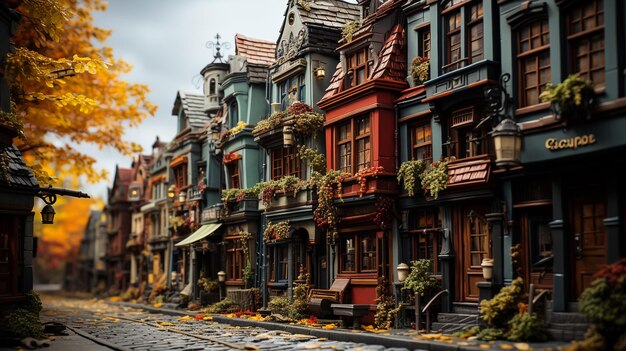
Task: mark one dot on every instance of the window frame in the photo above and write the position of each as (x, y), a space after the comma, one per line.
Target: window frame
(356, 63)
(234, 174)
(292, 89)
(284, 161)
(536, 53)
(463, 136)
(235, 262)
(588, 35)
(424, 40)
(416, 145)
(181, 178)
(358, 258)
(461, 12)
(354, 142)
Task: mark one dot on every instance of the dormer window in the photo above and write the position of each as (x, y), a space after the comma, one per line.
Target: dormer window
(291, 90)
(357, 68)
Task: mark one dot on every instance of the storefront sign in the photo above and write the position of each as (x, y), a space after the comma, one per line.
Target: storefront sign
(570, 143)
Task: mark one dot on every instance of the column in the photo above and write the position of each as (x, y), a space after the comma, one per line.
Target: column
(447, 259)
(559, 250)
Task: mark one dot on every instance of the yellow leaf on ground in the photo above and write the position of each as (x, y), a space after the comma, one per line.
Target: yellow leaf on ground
(506, 347)
(207, 318)
(522, 346)
(185, 318)
(330, 326)
(484, 346)
(158, 305)
(166, 324)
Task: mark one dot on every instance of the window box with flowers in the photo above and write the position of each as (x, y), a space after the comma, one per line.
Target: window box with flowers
(299, 115)
(276, 231)
(420, 70)
(571, 100)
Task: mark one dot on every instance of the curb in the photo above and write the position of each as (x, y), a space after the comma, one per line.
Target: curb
(345, 336)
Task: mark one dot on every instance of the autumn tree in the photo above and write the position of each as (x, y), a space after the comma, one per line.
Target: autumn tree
(66, 91)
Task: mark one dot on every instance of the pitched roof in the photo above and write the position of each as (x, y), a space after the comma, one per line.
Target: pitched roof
(391, 60)
(18, 173)
(125, 175)
(329, 13)
(391, 63)
(193, 107)
(257, 51)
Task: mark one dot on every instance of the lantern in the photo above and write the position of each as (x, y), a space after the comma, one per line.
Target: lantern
(403, 271)
(288, 136)
(487, 265)
(507, 139)
(47, 215)
(221, 276)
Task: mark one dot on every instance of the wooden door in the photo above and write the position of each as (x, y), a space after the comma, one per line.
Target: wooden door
(472, 244)
(587, 237)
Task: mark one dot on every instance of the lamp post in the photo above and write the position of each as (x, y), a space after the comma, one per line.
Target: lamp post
(221, 278)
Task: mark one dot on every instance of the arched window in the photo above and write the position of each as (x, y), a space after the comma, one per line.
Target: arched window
(212, 87)
(533, 61)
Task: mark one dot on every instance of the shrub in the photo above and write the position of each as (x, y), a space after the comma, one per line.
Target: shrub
(284, 307)
(21, 323)
(221, 306)
(489, 334)
(504, 306)
(526, 327)
(421, 278)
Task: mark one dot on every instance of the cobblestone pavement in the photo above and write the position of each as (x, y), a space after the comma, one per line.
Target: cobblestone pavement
(124, 328)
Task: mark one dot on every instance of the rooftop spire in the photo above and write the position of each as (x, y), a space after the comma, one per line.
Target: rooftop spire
(218, 46)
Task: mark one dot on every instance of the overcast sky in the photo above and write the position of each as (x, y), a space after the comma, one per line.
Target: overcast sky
(165, 41)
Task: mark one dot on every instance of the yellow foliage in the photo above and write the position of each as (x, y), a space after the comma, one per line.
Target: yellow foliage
(207, 318)
(92, 105)
(157, 305)
(330, 326)
(185, 318)
(166, 324)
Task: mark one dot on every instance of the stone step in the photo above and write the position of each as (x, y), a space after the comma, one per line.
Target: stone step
(458, 318)
(560, 334)
(465, 307)
(568, 317)
(449, 328)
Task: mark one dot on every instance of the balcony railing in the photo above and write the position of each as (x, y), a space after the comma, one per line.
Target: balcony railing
(194, 194)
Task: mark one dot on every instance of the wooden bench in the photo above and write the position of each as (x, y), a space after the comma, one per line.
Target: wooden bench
(353, 311)
(321, 299)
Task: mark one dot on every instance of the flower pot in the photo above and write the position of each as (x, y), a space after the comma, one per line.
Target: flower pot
(487, 265)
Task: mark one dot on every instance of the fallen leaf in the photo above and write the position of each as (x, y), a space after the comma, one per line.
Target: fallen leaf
(484, 346)
(312, 346)
(522, 346)
(207, 318)
(158, 305)
(166, 324)
(506, 347)
(330, 326)
(185, 318)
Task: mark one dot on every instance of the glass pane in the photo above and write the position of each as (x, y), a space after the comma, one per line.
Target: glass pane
(348, 252)
(368, 253)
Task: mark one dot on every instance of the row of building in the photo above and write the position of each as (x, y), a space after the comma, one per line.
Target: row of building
(450, 82)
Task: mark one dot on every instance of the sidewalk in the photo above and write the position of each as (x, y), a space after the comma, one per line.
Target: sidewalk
(70, 342)
(396, 338)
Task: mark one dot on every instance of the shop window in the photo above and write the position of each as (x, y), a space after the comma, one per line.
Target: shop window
(422, 241)
(358, 253)
(421, 142)
(585, 36)
(291, 90)
(285, 162)
(357, 67)
(234, 259)
(457, 53)
(353, 148)
(533, 61)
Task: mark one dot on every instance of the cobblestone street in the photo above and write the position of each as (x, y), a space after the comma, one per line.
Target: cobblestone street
(125, 328)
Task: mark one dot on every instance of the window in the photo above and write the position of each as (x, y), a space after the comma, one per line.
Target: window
(212, 89)
(424, 42)
(285, 162)
(9, 232)
(180, 176)
(421, 142)
(233, 174)
(479, 238)
(359, 142)
(457, 55)
(233, 114)
(358, 253)
(278, 258)
(585, 36)
(358, 67)
(234, 259)
(464, 140)
(421, 241)
(291, 90)
(533, 60)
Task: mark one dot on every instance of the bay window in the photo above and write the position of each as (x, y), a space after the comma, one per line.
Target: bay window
(354, 145)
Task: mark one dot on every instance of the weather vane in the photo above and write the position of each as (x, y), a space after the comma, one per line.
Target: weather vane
(217, 46)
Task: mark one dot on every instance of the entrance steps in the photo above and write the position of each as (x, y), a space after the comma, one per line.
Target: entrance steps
(465, 316)
(567, 326)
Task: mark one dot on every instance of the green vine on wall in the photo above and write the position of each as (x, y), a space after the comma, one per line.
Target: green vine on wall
(433, 177)
(248, 273)
(316, 159)
(409, 173)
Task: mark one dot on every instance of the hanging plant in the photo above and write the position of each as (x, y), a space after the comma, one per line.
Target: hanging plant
(287, 184)
(384, 212)
(306, 121)
(348, 30)
(277, 231)
(271, 122)
(420, 70)
(363, 174)
(435, 178)
(328, 185)
(573, 97)
(241, 125)
(316, 160)
(410, 172)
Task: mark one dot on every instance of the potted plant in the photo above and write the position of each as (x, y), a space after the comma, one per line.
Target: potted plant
(571, 99)
(420, 70)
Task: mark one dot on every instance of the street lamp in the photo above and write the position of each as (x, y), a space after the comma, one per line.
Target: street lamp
(171, 192)
(182, 196)
(507, 135)
(47, 214)
(403, 271)
(507, 139)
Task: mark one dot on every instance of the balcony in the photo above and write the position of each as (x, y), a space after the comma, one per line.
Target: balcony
(194, 194)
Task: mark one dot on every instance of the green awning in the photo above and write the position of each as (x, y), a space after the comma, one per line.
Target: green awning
(200, 234)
